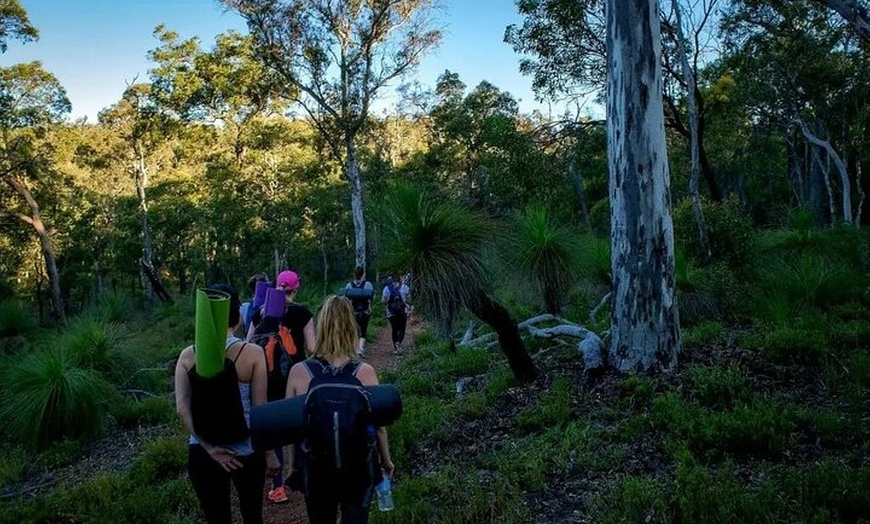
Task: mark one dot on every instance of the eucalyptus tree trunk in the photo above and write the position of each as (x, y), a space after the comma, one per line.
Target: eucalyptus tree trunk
(645, 328)
(846, 187)
(356, 201)
(35, 221)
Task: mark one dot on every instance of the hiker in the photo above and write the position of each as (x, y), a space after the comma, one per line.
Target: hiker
(299, 321)
(329, 482)
(397, 297)
(362, 304)
(213, 465)
(247, 309)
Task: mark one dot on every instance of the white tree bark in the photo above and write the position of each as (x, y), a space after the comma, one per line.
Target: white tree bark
(841, 167)
(645, 328)
(356, 202)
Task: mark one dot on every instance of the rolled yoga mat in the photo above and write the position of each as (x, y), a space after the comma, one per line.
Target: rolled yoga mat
(282, 422)
(260, 293)
(274, 303)
(210, 331)
(358, 292)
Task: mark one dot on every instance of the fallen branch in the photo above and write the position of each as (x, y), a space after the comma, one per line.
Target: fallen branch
(596, 309)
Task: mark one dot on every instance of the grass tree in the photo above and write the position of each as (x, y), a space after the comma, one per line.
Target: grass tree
(443, 244)
(542, 249)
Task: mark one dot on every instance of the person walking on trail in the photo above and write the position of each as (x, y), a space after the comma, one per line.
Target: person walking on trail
(335, 474)
(360, 292)
(397, 297)
(247, 309)
(214, 465)
(299, 320)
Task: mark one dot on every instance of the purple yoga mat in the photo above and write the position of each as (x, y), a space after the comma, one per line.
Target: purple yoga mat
(274, 303)
(260, 293)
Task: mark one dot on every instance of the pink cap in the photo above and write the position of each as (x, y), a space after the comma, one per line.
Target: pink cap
(289, 280)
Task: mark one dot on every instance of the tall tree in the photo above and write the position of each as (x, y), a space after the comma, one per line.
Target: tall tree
(340, 55)
(143, 129)
(31, 98)
(645, 328)
(14, 23)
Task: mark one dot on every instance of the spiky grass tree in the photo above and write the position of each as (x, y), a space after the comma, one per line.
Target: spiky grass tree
(543, 250)
(443, 244)
(45, 396)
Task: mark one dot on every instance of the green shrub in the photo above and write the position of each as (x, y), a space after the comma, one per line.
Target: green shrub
(634, 499)
(153, 410)
(15, 320)
(702, 334)
(93, 343)
(713, 292)
(114, 307)
(717, 387)
(160, 460)
(13, 464)
(859, 367)
(794, 345)
(730, 233)
(45, 397)
(636, 390)
(852, 334)
(553, 409)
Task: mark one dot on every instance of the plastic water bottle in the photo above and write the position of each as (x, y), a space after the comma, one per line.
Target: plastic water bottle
(384, 492)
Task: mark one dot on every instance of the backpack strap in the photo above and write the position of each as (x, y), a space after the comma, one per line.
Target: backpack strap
(240, 352)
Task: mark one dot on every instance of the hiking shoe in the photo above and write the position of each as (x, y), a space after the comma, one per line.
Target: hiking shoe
(278, 495)
(398, 347)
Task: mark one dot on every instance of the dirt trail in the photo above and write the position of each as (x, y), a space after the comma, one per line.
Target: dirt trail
(379, 353)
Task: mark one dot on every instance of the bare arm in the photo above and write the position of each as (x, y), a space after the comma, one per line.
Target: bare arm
(369, 377)
(308, 331)
(297, 384)
(223, 456)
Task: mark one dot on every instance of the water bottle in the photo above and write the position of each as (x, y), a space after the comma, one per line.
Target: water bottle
(384, 491)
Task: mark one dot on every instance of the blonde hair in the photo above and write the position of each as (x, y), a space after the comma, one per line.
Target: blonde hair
(336, 332)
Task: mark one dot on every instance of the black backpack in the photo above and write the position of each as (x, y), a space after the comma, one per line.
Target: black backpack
(281, 353)
(339, 435)
(395, 303)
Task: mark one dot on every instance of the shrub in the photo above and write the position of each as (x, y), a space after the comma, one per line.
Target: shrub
(15, 320)
(114, 307)
(703, 334)
(155, 410)
(13, 464)
(634, 499)
(717, 387)
(787, 344)
(730, 233)
(852, 334)
(636, 390)
(160, 460)
(93, 343)
(44, 397)
(553, 409)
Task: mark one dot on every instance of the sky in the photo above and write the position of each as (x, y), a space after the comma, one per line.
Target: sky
(96, 47)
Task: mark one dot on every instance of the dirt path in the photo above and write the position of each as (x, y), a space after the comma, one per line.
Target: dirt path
(379, 353)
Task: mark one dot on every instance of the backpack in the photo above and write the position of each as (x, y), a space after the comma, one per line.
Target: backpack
(281, 353)
(216, 405)
(360, 303)
(395, 304)
(339, 436)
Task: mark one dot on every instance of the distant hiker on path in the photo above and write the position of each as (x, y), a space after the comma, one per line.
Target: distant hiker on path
(397, 297)
(227, 455)
(338, 472)
(360, 292)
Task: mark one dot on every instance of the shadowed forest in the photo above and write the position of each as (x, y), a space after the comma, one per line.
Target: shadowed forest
(660, 315)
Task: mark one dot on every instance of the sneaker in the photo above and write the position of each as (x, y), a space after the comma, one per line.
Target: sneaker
(398, 347)
(278, 495)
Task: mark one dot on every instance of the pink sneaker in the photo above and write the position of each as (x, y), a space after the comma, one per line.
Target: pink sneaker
(277, 495)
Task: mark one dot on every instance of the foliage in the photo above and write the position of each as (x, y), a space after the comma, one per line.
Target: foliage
(46, 396)
(552, 411)
(718, 387)
(702, 334)
(95, 344)
(15, 320)
(13, 464)
(729, 231)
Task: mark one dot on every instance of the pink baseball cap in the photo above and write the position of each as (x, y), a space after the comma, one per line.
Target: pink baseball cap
(288, 280)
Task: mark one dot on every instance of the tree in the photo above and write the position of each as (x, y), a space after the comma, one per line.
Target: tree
(443, 243)
(143, 129)
(564, 44)
(226, 86)
(340, 55)
(645, 329)
(14, 23)
(31, 98)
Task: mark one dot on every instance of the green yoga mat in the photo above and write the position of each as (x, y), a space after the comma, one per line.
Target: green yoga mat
(212, 317)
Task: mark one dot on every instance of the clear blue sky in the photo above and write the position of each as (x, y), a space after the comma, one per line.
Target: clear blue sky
(95, 46)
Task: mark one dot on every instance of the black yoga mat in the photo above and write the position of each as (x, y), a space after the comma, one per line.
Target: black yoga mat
(282, 422)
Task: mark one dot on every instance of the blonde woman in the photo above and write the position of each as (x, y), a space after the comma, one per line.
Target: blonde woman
(335, 361)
